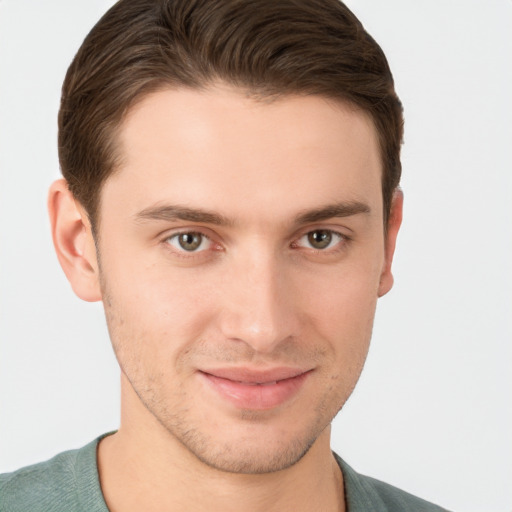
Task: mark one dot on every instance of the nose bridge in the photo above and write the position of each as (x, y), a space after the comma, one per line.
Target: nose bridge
(260, 310)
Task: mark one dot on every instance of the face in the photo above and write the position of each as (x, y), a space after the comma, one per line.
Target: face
(242, 251)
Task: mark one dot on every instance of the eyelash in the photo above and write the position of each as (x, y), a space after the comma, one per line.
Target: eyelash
(181, 252)
(328, 249)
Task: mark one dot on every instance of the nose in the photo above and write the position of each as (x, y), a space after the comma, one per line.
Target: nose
(259, 304)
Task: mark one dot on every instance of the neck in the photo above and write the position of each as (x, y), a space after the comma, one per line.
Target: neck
(143, 467)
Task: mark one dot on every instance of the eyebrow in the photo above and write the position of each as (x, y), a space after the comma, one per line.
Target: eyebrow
(343, 209)
(184, 213)
(178, 212)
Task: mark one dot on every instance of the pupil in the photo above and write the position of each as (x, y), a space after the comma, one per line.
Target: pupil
(320, 239)
(190, 241)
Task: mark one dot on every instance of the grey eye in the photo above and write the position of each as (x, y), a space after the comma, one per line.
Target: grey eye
(320, 239)
(190, 241)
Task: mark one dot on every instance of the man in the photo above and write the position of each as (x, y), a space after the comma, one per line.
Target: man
(230, 193)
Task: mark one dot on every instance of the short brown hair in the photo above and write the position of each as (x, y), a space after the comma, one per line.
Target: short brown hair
(268, 47)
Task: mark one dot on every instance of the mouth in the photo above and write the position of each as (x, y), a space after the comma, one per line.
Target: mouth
(251, 389)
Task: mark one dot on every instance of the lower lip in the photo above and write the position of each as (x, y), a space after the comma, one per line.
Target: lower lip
(259, 396)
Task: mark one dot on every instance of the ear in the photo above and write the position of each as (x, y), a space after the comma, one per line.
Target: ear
(73, 242)
(394, 222)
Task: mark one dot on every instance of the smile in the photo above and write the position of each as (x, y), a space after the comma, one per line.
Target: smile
(255, 390)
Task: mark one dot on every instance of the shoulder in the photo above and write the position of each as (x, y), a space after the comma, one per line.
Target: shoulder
(364, 493)
(56, 485)
(397, 499)
(39, 486)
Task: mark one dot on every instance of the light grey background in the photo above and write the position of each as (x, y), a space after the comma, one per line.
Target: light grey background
(433, 410)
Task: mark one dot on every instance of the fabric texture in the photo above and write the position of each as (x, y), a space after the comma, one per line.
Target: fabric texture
(70, 483)
(366, 494)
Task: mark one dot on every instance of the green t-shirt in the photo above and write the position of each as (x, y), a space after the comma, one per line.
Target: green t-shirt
(70, 483)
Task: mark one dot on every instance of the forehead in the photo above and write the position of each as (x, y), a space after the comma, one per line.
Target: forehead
(222, 149)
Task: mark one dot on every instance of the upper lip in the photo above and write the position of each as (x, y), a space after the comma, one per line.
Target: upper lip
(254, 375)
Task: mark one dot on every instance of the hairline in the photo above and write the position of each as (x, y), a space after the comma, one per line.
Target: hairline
(257, 95)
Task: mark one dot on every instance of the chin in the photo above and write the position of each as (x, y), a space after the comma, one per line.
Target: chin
(242, 458)
(250, 447)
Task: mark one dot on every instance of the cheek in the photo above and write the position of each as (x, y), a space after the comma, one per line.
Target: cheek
(154, 315)
(156, 294)
(343, 313)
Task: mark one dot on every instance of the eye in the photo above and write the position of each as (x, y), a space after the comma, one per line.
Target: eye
(189, 241)
(320, 239)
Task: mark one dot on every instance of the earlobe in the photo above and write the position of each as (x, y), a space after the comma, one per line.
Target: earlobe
(73, 242)
(394, 222)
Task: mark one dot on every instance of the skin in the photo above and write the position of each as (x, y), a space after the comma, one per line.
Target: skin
(257, 293)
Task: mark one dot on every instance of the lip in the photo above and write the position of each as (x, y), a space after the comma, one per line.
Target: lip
(254, 389)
